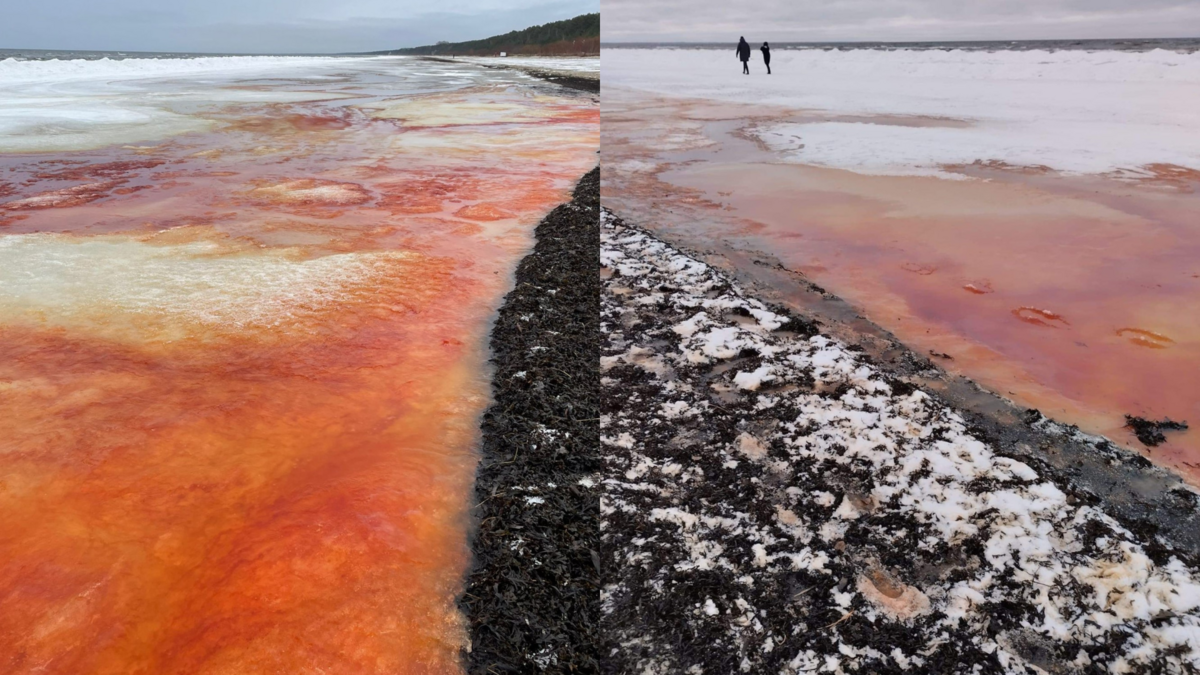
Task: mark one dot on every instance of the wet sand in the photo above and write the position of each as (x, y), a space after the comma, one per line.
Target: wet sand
(1079, 296)
(242, 372)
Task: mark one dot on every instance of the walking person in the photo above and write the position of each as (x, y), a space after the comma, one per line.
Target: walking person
(743, 52)
(766, 50)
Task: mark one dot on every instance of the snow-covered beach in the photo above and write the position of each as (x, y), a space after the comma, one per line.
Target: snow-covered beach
(579, 65)
(775, 501)
(577, 72)
(1024, 217)
(1074, 111)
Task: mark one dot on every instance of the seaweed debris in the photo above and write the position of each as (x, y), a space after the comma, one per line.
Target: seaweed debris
(1150, 432)
(532, 598)
(777, 503)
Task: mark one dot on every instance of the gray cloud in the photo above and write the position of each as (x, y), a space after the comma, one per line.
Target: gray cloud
(851, 20)
(268, 26)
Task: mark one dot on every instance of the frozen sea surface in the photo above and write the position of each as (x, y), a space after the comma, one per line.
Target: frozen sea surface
(76, 104)
(1071, 111)
(565, 64)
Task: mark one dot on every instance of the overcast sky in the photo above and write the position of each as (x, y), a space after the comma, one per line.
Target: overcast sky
(268, 26)
(895, 20)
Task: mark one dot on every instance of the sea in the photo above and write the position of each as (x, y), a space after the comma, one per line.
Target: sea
(262, 288)
(1183, 45)
(85, 55)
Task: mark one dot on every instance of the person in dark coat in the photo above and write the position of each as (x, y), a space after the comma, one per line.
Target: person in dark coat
(766, 50)
(743, 52)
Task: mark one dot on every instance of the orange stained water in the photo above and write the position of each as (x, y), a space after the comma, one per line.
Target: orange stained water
(240, 379)
(1076, 295)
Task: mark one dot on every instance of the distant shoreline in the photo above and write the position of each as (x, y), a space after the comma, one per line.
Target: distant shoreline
(1115, 44)
(580, 80)
(85, 55)
(121, 55)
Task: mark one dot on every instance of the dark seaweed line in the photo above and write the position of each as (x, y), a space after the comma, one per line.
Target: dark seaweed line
(532, 598)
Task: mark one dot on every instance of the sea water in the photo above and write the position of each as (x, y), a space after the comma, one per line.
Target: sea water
(243, 313)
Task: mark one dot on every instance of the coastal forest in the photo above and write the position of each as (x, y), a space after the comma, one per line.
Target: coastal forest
(573, 37)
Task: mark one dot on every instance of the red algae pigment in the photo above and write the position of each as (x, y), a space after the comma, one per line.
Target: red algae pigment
(242, 361)
(1075, 294)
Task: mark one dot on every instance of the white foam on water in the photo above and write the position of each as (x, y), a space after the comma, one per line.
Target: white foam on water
(123, 287)
(1073, 111)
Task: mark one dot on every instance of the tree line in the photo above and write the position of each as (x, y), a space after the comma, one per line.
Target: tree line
(580, 35)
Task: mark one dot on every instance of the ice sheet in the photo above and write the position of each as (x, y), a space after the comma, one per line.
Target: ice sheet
(421, 112)
(56, 106)
(1082, 112)
(888, 149)
(13, 71)
(123, 286)
(575, 64)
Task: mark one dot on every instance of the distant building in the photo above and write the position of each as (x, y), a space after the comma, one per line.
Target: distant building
(503, 53)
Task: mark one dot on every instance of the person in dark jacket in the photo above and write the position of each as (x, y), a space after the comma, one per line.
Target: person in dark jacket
(743, 52)
(766, 50)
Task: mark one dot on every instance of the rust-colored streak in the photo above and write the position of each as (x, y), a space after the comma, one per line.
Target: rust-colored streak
(484, 212)
(109, 170)
(65, 197)
(306, 192)
(240, 378)
(1145, 338)
(1039, 317)
(1173, 175)
(238, 505)
(916, 268)
(297, 122)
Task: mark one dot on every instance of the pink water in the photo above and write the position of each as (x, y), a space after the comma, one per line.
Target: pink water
(1079, 296)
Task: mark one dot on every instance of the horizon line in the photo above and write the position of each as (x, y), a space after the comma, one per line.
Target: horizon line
(930, 41)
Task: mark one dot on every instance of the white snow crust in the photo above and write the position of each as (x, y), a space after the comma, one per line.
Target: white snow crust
(561, 64)
(1070, 111)
(837, 473)
(64, 105)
